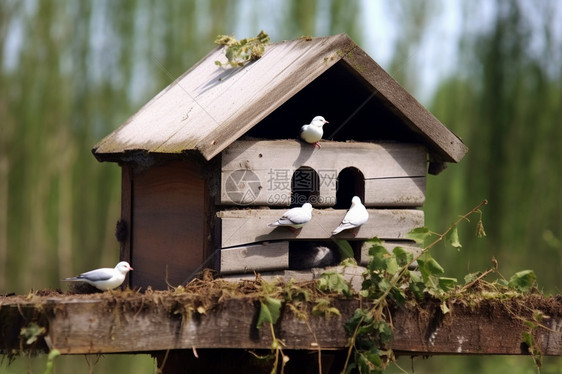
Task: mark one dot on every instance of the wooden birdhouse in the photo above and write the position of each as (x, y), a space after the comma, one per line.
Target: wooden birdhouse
(215, 157)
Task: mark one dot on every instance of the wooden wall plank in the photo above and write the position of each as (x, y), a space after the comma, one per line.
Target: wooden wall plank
(251, 225)
(169, 224)
(260, 172)
(258, 257)
(395, 192)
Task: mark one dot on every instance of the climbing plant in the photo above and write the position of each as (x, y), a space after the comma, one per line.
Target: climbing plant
(398, 277)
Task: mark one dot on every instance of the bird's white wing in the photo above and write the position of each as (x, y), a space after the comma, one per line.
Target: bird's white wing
(97, 275)
(354, 218)
(296, 216)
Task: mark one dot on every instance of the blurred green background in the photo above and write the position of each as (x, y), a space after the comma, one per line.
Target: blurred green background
(72, 71)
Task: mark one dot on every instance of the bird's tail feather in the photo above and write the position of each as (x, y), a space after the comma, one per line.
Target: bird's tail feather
(337, 230)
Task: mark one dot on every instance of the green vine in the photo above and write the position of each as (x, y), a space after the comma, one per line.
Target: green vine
(389, 278)
(394, 278)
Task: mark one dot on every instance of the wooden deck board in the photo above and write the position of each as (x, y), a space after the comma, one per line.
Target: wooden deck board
(120, 323)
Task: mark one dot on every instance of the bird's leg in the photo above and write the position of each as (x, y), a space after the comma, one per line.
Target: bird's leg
(316, 145)
(294, 230)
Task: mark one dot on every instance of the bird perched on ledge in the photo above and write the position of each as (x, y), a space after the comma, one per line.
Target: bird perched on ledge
(105, 278)
(295, 218)
(312, 133)
(356, 216)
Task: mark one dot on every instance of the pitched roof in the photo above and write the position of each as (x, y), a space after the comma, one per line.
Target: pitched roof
(209, 107)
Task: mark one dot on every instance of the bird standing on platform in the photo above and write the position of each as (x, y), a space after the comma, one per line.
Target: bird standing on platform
(312, 133)
(295, 218)
(356, 216)
(105, 278)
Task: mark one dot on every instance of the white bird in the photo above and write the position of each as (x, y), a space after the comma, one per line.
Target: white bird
(104, 278)
(312, 133)
(295, 218)
(356, 216)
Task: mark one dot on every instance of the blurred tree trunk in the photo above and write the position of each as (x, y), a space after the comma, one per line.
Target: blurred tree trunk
(505, 104)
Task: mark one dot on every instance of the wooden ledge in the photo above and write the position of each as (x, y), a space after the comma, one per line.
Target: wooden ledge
(121, 322)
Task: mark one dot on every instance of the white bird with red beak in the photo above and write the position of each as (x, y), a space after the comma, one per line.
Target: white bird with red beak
(105, 278)
(312, 133)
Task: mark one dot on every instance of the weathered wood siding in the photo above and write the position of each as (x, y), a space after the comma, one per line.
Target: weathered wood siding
(169, 232)
(247, 226)
(140, 323)
(256, 257)
(260, 172)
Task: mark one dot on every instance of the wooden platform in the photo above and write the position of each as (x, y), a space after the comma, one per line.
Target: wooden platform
(121, 322)
(240, 227)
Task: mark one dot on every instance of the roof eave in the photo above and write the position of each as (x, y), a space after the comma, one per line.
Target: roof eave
(443, 144)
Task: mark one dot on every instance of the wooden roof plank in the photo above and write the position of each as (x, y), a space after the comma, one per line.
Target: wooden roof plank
(444, 142)
(292, 70)
(209, 107)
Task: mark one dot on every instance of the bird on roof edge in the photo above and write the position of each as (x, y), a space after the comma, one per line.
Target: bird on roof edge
(312, 133)
(104, 278)
(356, 216)
(295, 218)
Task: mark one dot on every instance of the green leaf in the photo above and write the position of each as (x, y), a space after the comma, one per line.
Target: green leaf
(385, 332)
(503, 282)
(349, 262)
(429, 268)
(447, 284)
(270, 310)
(471, 277)
(32, 332)
(391, 265)
(398, 296)
(359, 316)
(378, 254)
(323, 308)
(523, 280)
(419, 234)
(384, 284)
(403, 257)
(417, 289)
(374, 241)
(433, 267)
(345, 249)
(453, 238)
(239, 52)
(332, 281)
